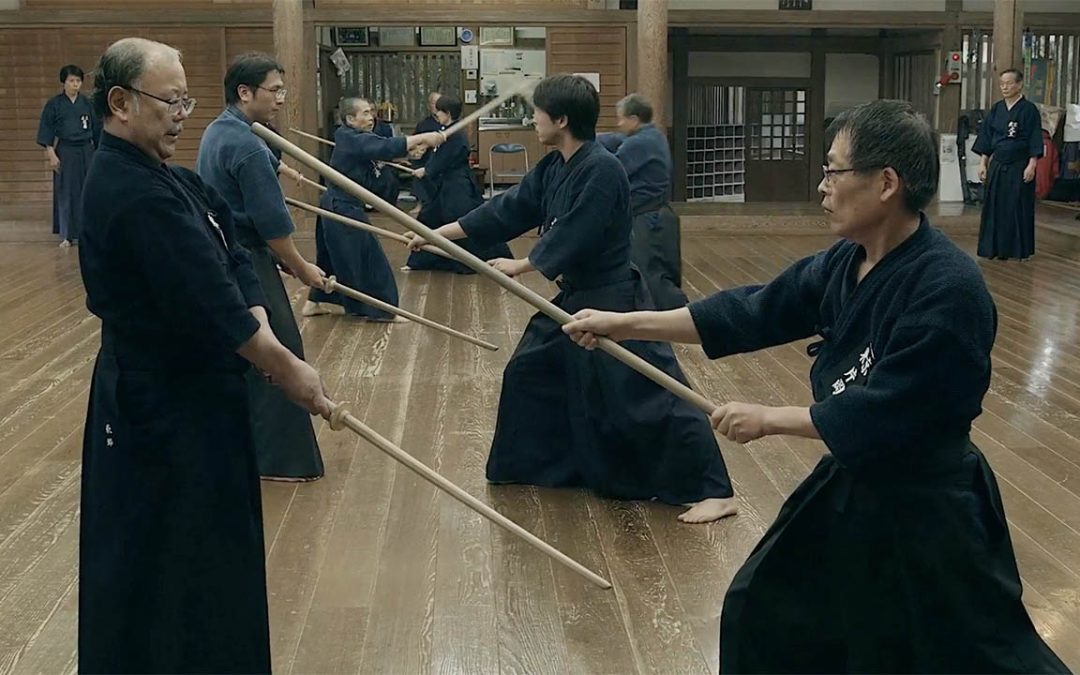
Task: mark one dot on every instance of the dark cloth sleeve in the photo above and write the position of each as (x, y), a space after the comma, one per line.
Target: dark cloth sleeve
(1033, 122)
(927, 380)
(509, 214)
(453, 153)
(377, 147)
(246, 279)
(47, 125)
(183, 273)
(984, 141)
(264, 201)
(580, 230)
(749, 318)
(610, 141)
(95, 127)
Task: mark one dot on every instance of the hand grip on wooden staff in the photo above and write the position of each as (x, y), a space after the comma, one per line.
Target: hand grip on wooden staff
(360, 225)
(341, 418)
(471, 261)
(332, 286)
(313, 137)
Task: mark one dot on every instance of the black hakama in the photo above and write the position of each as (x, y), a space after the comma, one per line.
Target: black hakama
(171, 558)
(240, 166)
(452, 193)
(655, 246)
(571, 418)
(355, 257)
(894, 554)
(1011, 138)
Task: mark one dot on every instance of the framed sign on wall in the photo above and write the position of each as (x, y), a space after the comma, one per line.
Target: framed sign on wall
(796, 4)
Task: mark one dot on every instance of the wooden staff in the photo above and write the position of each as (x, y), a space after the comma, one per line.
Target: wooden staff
(341, 418)
(522, 88)
(360, 225)
(332, 286)
(320, 188)
(311, 136)
(468, 259)
(400, 167)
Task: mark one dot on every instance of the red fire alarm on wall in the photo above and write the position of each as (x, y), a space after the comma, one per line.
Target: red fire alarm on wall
(954, 67)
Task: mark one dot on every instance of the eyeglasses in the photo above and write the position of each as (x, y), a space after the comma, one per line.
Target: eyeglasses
(279, 94)
(830, 174)
(176, 105)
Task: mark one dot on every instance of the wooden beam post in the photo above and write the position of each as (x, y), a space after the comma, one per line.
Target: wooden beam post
(680, 86)
(948, 103)
(652, 56)
(1008, 33)
(815, 112)
(289, 49)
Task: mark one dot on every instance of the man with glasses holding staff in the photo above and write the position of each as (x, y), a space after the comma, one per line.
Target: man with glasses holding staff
(240, 166)
(171, 554)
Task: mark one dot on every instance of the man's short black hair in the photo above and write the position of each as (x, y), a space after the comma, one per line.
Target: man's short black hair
(892, 134)
(248, 69)
(449, 104)
(69, 70)
(572, 97)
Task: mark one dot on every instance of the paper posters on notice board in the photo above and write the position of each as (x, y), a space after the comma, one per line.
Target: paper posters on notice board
(470, 57)
(592, 77)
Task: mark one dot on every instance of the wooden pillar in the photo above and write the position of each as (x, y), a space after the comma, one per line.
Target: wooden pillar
(652, 56)
(289, 50)
(1008, 33)
(815, 112)
(680, 114)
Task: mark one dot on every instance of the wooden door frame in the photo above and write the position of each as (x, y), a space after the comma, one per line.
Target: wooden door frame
(814, 119)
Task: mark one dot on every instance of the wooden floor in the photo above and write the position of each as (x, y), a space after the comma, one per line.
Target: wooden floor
(371, 570)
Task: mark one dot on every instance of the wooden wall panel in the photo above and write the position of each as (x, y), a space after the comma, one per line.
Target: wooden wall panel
(592, 49)
(243, 40)
(32, 60)
(143, 4)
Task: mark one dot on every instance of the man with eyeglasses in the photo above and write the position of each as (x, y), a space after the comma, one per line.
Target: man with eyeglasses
(171, 556)
(240, 166)
(894, 554)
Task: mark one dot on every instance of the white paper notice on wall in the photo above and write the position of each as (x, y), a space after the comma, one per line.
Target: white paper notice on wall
(592, 77)
(470, 57)
(470, 96)
(1072, 123)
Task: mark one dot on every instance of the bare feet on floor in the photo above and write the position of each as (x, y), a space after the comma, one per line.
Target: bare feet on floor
(708, 510)
(318, 308)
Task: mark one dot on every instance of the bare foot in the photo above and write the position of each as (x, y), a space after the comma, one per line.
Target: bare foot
(708, 510)
(65, 244)
(406, 268)
(319, 308)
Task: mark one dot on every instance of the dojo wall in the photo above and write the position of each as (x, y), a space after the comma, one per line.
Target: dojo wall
(31, 59)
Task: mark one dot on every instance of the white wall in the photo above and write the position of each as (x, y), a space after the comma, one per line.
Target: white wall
(1029, 5)
(749, 64)
(850, 79)
(866, 5)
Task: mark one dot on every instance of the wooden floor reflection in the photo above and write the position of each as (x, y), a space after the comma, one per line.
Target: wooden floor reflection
(370, 570)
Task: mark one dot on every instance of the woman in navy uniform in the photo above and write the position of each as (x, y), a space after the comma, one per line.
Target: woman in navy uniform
(893, 555)
(68, 131)
(355, 257)
(171, 556)
(568, 418)
(1010, 142)
(452, 193)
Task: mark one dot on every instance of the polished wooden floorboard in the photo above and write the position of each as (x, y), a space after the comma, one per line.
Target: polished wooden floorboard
(371, 570)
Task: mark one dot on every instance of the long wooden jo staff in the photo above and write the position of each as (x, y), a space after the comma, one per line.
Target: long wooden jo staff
(400, 167)
(360, 225)
(331, 285)
(341, 418)
(528, 295)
